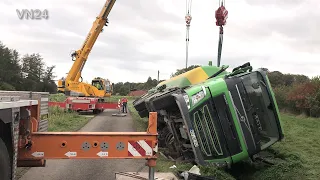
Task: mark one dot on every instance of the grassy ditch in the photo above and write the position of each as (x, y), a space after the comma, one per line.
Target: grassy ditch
(297, 157)
(61, 121)
(141, 124)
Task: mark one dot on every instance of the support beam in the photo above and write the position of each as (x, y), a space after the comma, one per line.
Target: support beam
(93, 145)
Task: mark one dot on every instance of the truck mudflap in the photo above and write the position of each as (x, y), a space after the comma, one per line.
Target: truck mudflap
(191, 134)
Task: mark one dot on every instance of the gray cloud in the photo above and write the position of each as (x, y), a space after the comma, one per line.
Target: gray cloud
(129, 13)
(302, 30)
(118, 48)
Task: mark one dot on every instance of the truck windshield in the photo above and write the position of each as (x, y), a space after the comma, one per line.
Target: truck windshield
(108, 88)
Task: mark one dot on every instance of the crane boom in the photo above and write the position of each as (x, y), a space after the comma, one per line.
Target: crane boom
(82, 54)
(99, 87)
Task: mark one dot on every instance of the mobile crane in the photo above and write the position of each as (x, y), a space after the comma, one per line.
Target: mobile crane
(83, 96)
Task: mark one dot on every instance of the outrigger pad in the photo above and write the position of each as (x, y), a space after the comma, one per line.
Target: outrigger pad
(119, 114)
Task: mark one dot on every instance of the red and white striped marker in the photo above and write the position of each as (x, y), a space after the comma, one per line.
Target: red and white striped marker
(140, 148)
(119, 105)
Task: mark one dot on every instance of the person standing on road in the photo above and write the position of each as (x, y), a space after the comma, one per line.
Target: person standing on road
(124, 105)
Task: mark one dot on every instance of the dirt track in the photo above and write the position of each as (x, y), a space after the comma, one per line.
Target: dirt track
(103, 169)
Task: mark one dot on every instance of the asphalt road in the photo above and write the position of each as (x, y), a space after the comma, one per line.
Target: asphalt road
(98, 169)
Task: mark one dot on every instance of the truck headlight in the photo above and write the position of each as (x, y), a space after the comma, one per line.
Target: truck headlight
(198, 97)
(186, 99)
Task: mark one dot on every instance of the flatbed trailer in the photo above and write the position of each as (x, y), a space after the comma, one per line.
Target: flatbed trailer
(22, 144)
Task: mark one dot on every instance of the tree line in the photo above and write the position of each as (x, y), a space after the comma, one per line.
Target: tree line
(124, 88)
(24, 73)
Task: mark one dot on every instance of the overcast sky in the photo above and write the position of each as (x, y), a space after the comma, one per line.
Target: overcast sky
(145, 36)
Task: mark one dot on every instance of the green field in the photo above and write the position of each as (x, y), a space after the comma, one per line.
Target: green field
(296, 157)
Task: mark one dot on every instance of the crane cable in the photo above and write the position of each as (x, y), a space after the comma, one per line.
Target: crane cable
(221, 17)
(188, 19)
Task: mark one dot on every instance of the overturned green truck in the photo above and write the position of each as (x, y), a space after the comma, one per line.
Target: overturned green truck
(211, 116)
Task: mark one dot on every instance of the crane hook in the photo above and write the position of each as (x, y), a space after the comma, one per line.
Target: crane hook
(221, 14)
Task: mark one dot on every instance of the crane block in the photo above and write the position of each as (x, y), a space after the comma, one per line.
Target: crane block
(221, 15)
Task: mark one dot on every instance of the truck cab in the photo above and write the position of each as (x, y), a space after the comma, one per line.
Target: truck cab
(103, 84)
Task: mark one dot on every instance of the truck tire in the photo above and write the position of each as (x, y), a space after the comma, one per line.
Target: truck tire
(5, 165)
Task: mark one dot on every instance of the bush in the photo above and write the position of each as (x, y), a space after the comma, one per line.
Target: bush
(300, 97)
(281, 96)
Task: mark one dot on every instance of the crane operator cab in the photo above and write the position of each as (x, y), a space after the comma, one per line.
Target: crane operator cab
(103, 84)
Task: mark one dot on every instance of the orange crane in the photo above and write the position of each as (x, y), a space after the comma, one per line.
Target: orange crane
(83, 96)
(72, 84)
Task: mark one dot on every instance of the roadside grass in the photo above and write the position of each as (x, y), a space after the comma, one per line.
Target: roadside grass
(61, 121)
(300, 149)
(141, 124)
(297, 157)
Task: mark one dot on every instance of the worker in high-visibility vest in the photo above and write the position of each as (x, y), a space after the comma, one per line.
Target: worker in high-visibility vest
(124, 104)
(98, 86)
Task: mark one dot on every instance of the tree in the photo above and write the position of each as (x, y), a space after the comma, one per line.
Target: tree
(276, 79)
(265, 69)
(48, 83)
(183, 70)
(150, 83)
(33, 70)
(27, 73)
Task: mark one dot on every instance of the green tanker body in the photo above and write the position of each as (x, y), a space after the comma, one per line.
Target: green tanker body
(208, 115)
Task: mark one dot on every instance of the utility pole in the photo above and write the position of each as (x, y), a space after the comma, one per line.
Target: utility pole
(158, 75)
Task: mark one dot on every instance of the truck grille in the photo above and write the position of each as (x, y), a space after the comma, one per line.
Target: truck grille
(206, 132)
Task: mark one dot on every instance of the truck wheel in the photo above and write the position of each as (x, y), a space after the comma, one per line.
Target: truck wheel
(5, 165)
